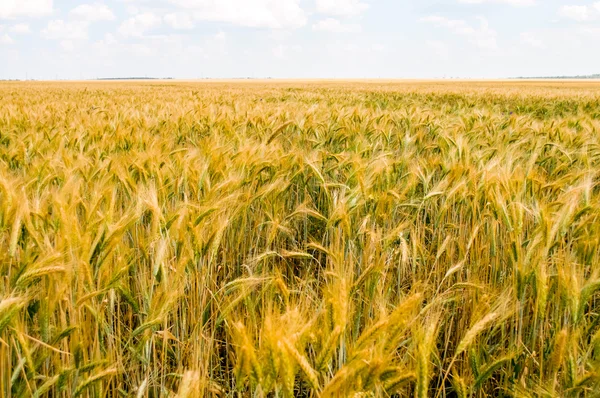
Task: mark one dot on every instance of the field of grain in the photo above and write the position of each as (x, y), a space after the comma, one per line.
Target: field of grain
(287, 238)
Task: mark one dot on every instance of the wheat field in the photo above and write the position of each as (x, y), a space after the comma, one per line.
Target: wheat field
(300, 238)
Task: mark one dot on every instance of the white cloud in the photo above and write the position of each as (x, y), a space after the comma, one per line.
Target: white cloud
(144, 50)
(20, 28)
(458, 26)
(92, 12)
(341, 7)
(274, 14)
(532, 40)
(439, 48)
(483, 37)
(132, 10)
(220, 36)
(379, 48)
(279, 34)
(179, 21)
(6, 39)
(140, 24)
(578, 13)
(24, 8)
(159, 47)
(211, 47)
(69, 30)
(581, 13)
(334, 25)
(515, 3)
(75, 29)
(108, 40)
(67, 45)
(590, 32)
(281, 51)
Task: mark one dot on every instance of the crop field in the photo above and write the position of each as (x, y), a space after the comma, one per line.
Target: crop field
(300, 238)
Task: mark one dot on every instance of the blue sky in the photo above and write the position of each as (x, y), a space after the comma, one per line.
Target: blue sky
(65, 39)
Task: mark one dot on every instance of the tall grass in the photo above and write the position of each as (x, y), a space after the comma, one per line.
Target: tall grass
(300, 239)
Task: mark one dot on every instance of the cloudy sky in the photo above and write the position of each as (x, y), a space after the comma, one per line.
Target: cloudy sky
(68, 39)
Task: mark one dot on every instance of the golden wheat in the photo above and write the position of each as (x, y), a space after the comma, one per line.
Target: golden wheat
(287, 238)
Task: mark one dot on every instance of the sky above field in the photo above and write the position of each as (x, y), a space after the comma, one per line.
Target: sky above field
(67, 39)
